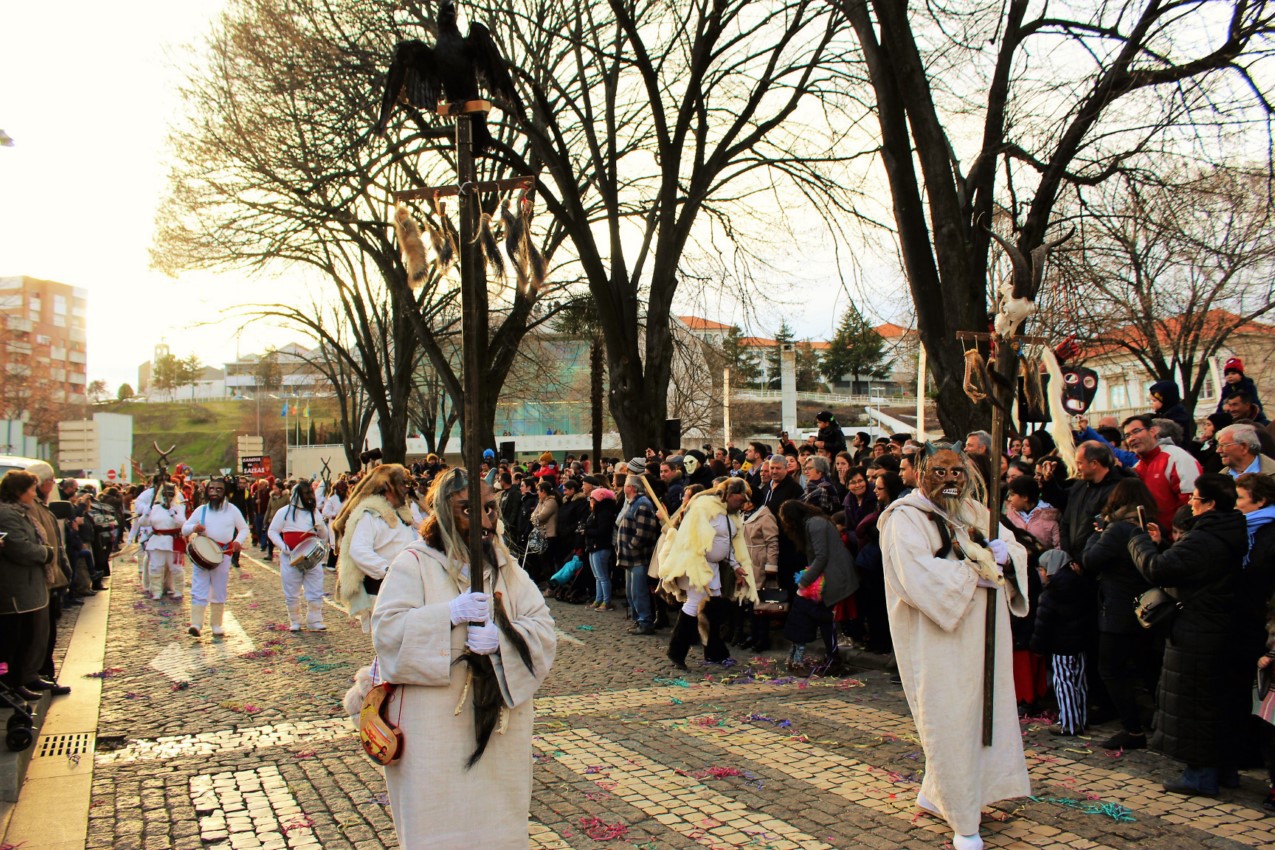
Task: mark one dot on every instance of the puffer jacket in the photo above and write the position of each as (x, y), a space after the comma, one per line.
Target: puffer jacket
(1198, 684)
(1064, 618)
(599, 525)
(1107, 559)
(23, 583)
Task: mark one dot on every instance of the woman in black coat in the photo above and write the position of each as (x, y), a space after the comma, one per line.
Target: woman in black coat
(599, 534)
(1124, 647)
(827, 556)
(1198, 685)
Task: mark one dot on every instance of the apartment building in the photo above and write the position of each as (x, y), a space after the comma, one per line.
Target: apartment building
(44, 351)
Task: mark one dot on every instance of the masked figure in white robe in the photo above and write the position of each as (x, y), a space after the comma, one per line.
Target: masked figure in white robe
(937, 582)
(426, 620)
(373, 527)
(292, 527)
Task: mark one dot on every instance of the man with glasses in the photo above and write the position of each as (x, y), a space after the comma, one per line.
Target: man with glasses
(1241, 452)
(1169, 477)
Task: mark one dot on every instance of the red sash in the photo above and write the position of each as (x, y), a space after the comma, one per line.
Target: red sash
(292, 539)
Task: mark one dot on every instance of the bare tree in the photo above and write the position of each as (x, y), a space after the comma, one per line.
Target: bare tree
(276, 168)
(1067, 95)
(1168, 273)
(667, 131)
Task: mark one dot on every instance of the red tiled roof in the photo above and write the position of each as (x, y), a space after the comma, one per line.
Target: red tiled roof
(697, 323)
(763, 342)
(1168, 329)
(890, 330)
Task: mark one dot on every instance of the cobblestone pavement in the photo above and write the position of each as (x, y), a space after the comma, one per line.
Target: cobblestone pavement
(242, 743)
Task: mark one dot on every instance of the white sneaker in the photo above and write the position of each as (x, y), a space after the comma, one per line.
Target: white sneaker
(294, 627)
(967, 842)
(218, 631)
(155, 597)
(317, 627)
(926, 803)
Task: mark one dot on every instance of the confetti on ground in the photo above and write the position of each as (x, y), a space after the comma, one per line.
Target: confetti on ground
(1115, 811)
(782, 724)
(108, 673)
(180, 686)
(600, 830)
(585, 629)
(298, 822)
(240, 707)
(678, 683)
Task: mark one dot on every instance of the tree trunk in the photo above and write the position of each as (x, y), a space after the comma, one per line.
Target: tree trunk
(639, 402)
(595, 398)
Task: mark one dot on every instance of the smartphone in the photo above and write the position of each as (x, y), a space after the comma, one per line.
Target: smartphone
(1142, 520)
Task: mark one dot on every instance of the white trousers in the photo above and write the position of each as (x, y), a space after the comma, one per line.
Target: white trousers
(161, 560)
(295, 580)
(209, 585)
(695, 597)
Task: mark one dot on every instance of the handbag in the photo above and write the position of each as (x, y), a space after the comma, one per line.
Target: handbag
(771, 600)
(537, 543)
(1155, 607)
(381, 739)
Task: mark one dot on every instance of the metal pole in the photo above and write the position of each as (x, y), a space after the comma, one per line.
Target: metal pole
(726, 406)
(921, 368)
(473, 340)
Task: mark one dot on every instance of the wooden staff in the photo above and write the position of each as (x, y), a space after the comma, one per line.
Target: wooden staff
(473, 294)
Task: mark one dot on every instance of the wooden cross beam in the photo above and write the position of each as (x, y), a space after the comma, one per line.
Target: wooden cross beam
(505, 184)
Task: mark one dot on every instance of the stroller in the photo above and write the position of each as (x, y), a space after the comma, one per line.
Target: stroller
(20, 727)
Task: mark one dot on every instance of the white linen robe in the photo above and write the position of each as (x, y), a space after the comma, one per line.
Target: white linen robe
(437, 803)
(937, 615)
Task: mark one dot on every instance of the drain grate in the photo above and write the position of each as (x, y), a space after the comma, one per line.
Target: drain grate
(65, 746)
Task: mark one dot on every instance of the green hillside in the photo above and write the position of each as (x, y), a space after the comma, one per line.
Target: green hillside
(205, 432)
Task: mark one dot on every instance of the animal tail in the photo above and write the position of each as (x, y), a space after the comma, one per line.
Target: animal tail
(485, 693)
(511, 634)
(412, 245)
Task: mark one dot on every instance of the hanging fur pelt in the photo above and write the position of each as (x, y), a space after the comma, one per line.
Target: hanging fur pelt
(412, 246)
(490, 713)
(486, 239)
(513, 226)
(535, 261)
(1033, 388)
(975, 371)
(1060, 424)
(443, 237)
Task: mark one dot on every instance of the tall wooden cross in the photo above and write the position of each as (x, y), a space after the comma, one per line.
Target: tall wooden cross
(1015, 302)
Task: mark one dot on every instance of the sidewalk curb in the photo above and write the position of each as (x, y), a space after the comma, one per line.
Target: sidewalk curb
(59, 777)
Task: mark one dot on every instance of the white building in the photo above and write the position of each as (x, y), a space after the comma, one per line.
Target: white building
(97, 447)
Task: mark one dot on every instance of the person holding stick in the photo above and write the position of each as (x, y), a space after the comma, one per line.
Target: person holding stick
(938, 569)
(464, 779)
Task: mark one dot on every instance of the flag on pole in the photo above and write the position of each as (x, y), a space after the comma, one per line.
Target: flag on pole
(307, 410)
(285, 409)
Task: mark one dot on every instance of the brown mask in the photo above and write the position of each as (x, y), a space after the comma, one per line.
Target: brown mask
(945, 479)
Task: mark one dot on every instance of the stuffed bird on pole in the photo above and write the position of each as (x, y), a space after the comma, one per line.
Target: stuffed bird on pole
(450, 70)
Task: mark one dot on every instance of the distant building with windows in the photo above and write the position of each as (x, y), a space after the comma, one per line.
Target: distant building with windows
(45, 340)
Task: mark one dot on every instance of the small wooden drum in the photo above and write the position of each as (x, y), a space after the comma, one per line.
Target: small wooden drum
(205, 552)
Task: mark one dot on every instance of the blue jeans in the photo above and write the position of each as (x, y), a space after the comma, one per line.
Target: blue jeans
(639, 595)
(600, 563)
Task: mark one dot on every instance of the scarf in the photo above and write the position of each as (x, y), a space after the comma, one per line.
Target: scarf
(1256, 520)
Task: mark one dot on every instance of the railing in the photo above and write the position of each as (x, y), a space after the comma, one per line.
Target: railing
(830, 398)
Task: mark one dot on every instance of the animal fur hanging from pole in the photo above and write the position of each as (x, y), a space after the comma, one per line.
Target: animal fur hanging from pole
(528, 262)
(412, 245)
(482, 686)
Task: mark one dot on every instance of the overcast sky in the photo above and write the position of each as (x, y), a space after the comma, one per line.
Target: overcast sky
(86, 91)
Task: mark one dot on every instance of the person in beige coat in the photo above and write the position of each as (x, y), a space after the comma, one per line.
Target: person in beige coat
(426, 618)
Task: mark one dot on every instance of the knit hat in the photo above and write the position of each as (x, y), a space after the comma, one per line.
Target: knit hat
(488, 454)
(1234, 364)
(1054, 560)
(637, 466)
(547, 457)
(1220, 420)
(824, 416)
(599, 494)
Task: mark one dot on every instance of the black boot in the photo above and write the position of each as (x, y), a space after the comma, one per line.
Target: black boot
(717, 612)
(685, 633)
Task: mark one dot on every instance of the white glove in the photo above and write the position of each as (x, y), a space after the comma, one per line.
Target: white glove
(484, 639)
(1000, 551)
(469, 607)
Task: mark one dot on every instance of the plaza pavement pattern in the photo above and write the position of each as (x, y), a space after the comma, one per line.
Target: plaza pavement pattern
(242, 743)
